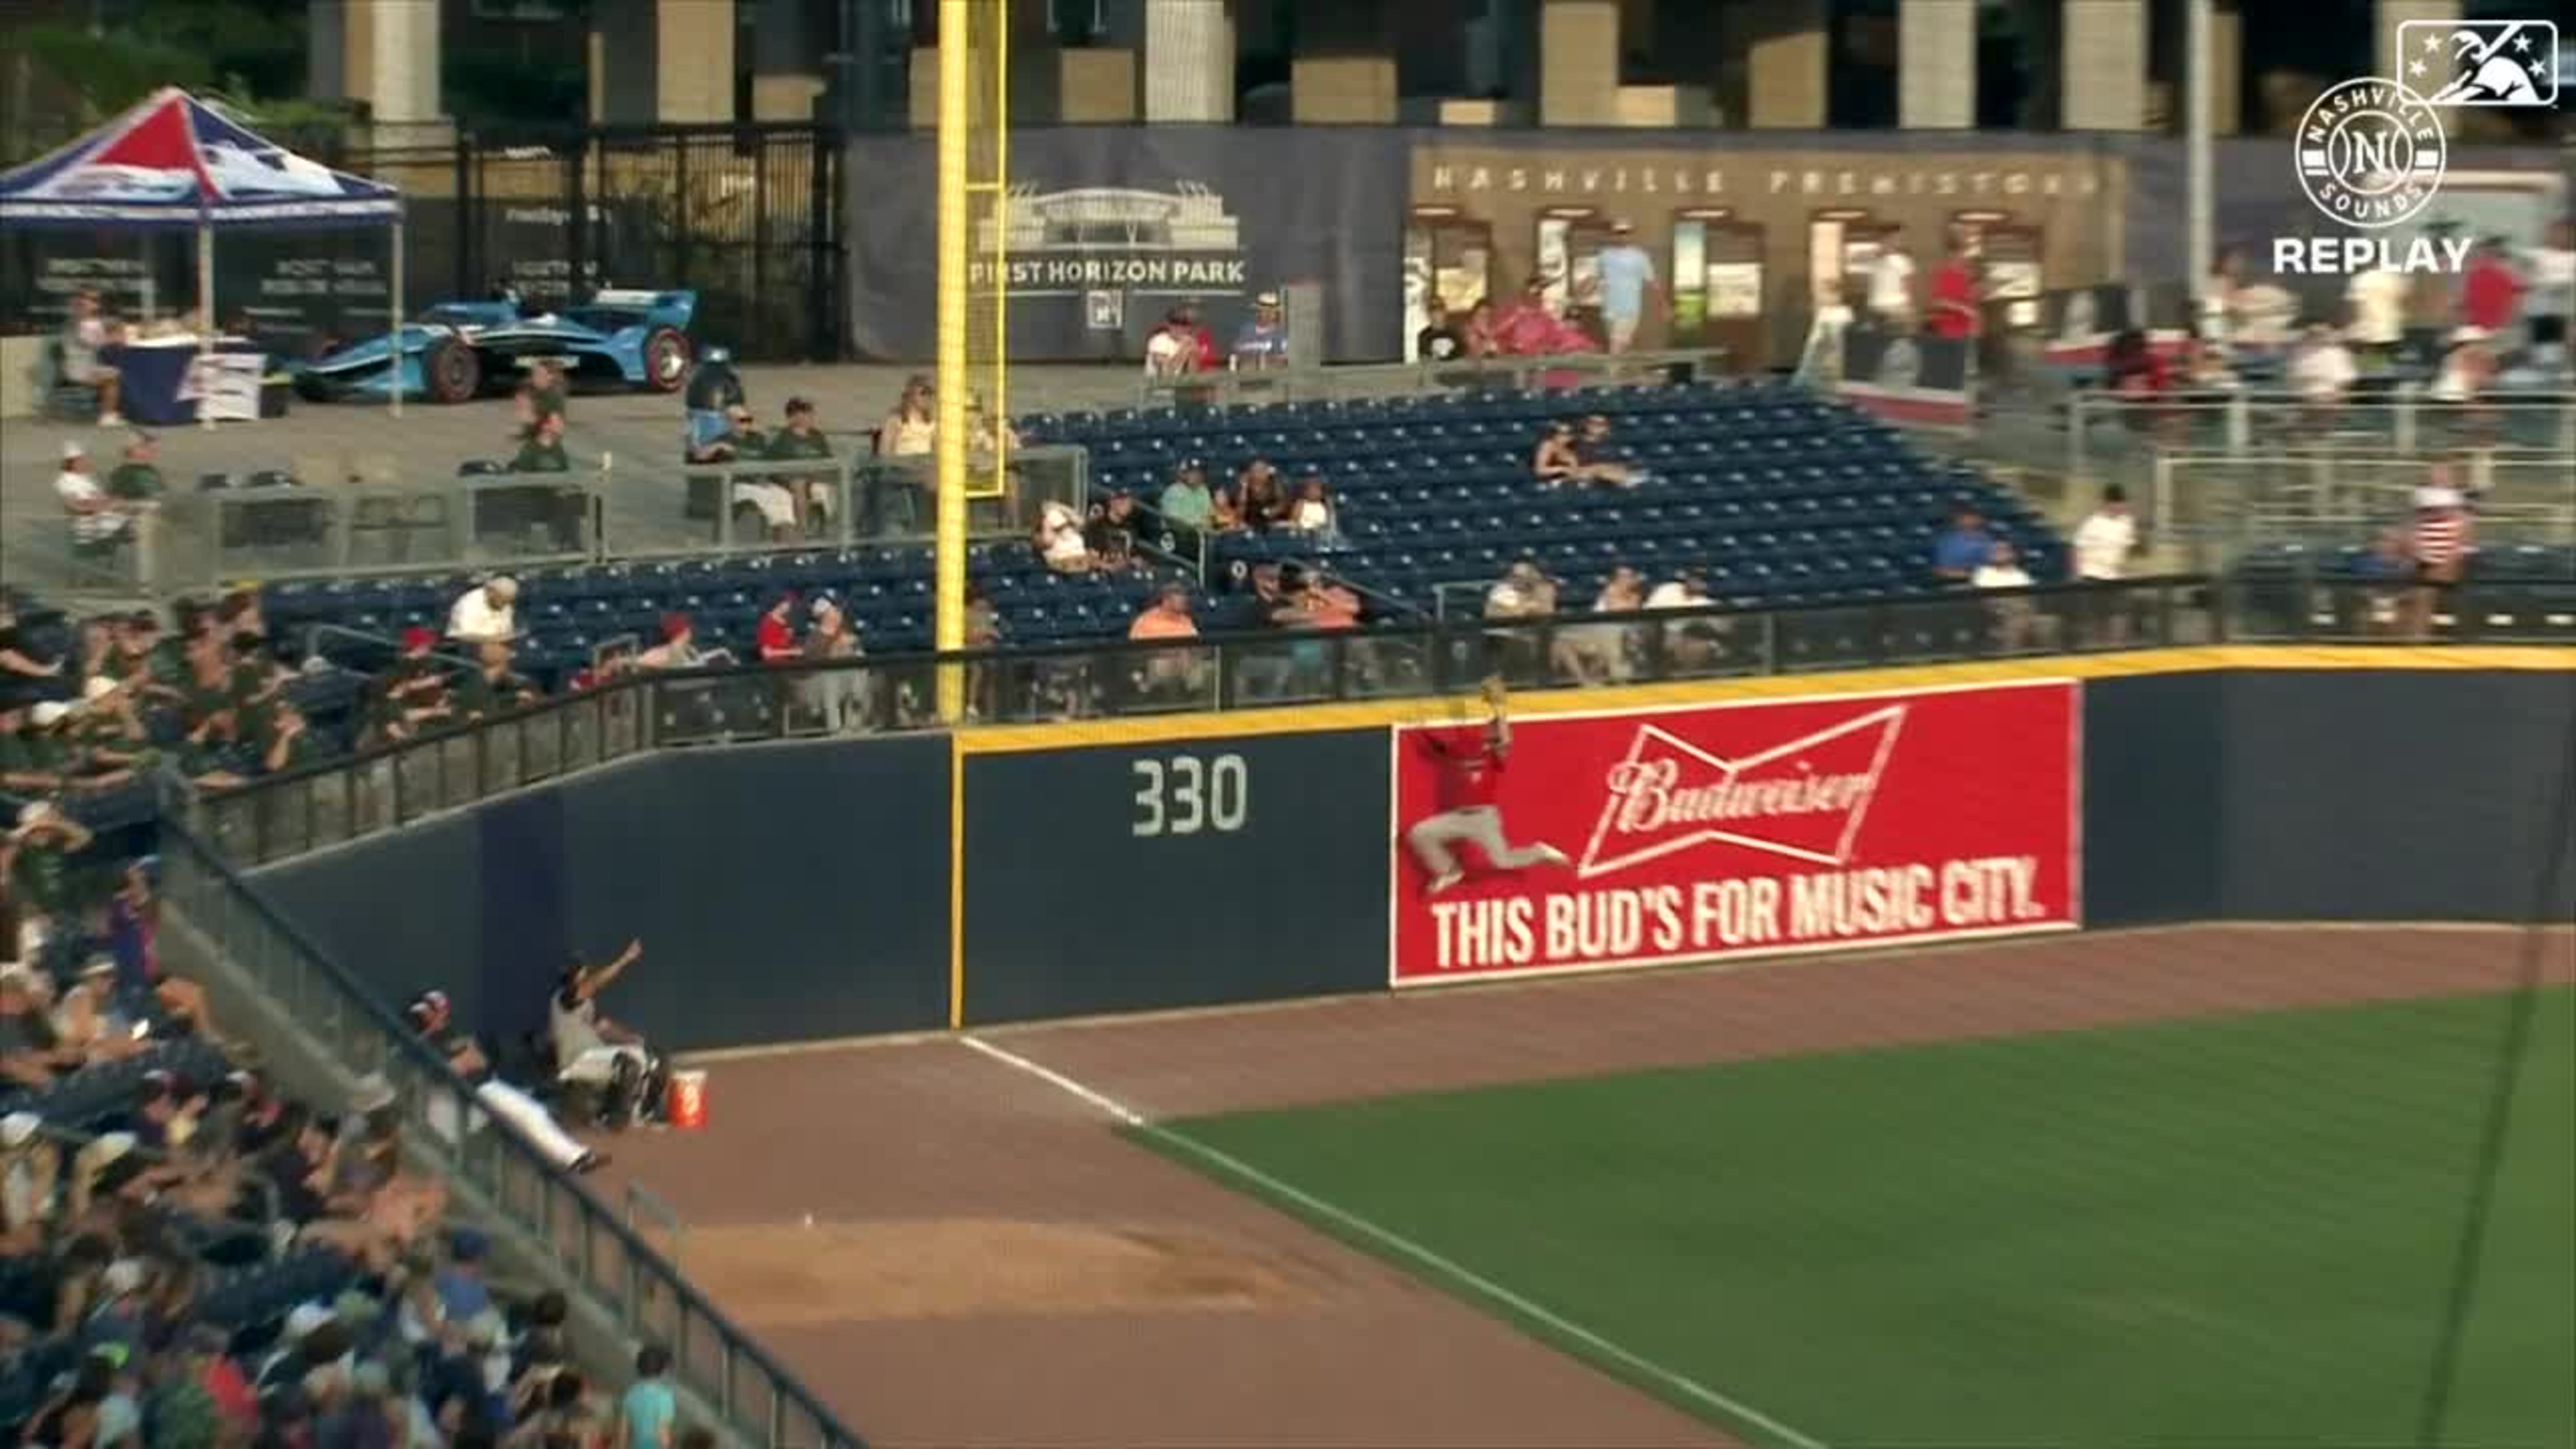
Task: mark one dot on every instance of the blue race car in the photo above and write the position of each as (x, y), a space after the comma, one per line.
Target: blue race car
(458, 350)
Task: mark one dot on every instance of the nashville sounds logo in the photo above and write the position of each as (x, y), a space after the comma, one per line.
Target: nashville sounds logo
(1803, 799)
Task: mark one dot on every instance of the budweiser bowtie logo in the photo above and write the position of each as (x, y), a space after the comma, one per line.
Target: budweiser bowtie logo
(1803, 798)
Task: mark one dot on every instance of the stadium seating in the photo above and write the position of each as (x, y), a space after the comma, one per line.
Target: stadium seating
(1778, 495)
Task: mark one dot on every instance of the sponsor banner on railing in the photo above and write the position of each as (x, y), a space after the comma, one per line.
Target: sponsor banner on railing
(1632, 839)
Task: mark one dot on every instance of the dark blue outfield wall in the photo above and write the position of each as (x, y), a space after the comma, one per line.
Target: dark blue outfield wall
(782, 892)
(2287, 795)
(801, 892)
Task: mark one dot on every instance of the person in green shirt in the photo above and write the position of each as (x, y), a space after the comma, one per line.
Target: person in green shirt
(543, 450)
(253, 688)
(24, 767)
(290, 740)
(1187, 503)
(138, 476)
(750, 444)
(802, 438)
(493, 688)
(541, 397)
(40, 858)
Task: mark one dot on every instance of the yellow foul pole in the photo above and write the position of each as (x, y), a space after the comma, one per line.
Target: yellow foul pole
(956, 245)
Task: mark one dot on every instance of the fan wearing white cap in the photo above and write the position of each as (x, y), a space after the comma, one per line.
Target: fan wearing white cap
(28, 1166)
(1262, 342)
(40, 851)
(97, 518)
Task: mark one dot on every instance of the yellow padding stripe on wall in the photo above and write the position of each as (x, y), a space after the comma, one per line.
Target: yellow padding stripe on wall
(1312, 718)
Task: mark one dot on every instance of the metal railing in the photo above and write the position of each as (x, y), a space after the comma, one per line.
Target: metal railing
(852, 500)
(586, 1239)
(193, 542)
(2106, 433)
(1457, 374)
(382, 789)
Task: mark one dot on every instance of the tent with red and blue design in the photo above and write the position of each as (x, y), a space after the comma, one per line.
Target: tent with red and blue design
(175, 163)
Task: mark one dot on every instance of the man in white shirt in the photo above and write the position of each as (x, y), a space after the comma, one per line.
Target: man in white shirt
(2106, 538)
(2378, 301)
(84, 334)
(2322, 371)
(1173, 349)
(2016, 621)
(1691, 644)
(2552, 302)
(96, 517)
(486, 613)
(1891, 286)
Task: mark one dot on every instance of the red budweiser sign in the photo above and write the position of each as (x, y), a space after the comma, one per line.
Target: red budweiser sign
(1632, 839)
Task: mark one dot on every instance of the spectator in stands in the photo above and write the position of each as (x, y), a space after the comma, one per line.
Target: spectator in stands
(2376, 300)
(1187, 503)
(1628, 282)
(39, 868)
(2322, 372)
(1059, 539)
(774, 637)
(2467, 374)
(433, 1016)
(137, 475)
(1891, 285)
(539, 395)
(492, 687)
(30, 1053)
(1169, 671)
(1173, 350)
(1598, 653)
(84, 334)
(648, 1415)
(1312, 513)
(98, 519)
(2389, 570)
(837, 696)
(1962, 548)
(24, 676)
(1440, 340)
(1262, 343)
(542, 451)
(1528, 329)
(593, 1051)
(134, 943)
(679, 646)
(486, 612)
(2491, 289)
(1689, 644)
(2440, 541)
(2219, 300)
(1109, 534)
(986, 432)
(410, 697)
(2016, 619)
(1259, 501)
(1952, 315)
(912, 429)
(2553, 297)
(714, 391)
(2106, 539)
(1522, 596)
(1556, 463)
(1603, 458)
(26, 769)
(290, 740)
(1479, 332)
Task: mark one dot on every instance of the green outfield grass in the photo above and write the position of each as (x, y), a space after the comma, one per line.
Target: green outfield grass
(2241, 1229)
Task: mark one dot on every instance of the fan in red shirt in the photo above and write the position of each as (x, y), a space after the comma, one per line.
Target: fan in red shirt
(776, 636)
(1954, 295)
(1470, 763)
(2491, 290)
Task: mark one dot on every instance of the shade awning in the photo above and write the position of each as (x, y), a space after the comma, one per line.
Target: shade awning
(173, 161)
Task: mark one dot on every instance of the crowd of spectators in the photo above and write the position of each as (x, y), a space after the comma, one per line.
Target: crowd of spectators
(193, 1256)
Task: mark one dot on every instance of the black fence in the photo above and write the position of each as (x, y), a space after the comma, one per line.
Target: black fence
(747, 216)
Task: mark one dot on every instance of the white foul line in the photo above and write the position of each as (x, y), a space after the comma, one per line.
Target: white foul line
(1400, 1246)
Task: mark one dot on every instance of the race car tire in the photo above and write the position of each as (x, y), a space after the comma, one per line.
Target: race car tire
(667, 356)
(450, 372)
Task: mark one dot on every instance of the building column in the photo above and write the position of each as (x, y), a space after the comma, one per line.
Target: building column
(1344, 70)
(1787, 58)
(786, 62)
(1188, 65)
(381, 53)
(659, 60)
(2103, 65)
(2387, 15)
(1578, 62)
(1936, 65)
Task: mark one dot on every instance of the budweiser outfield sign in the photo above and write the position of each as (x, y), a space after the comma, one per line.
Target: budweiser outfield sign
(1634, 839)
